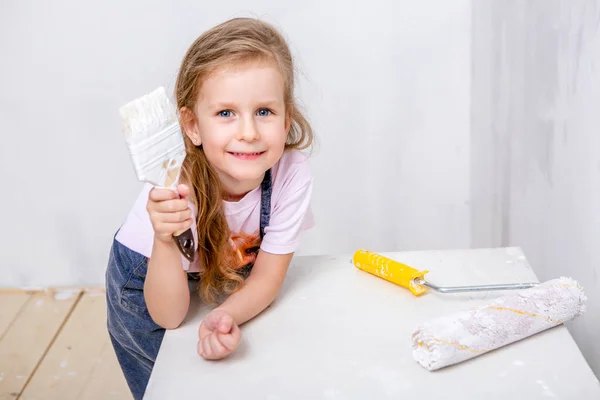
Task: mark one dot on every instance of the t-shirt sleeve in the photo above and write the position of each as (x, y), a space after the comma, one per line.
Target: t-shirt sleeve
(290, 216)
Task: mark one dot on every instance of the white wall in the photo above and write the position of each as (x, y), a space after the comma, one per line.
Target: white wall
(385, 83)
(536, 141)
(405, 159)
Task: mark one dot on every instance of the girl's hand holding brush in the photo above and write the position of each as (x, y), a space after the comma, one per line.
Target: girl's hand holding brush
(169, 212)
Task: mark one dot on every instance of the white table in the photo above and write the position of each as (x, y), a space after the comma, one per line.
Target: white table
(337, 332)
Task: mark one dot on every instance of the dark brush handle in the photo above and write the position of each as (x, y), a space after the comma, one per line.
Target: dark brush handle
(185, 243)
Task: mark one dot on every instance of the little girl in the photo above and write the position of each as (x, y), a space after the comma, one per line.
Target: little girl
(245, 188)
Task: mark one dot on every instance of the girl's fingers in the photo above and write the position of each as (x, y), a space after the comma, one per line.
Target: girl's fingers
(206, 350)
(157, 194)
(218, 350)
(172, 227)
(174, 217)
(231, 340)
(225, 324)
(184, 191)
(170, 206)
(201, 351)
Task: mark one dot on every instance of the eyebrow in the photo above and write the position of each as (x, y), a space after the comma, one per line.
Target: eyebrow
(225, 105)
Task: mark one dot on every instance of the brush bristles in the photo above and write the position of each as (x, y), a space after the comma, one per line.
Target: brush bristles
(147, 115)
(154, 138)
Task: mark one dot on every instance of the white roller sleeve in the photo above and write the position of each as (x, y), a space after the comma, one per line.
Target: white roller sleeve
(458, 337)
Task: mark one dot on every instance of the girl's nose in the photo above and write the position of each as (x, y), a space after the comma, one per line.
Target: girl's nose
(248, 131)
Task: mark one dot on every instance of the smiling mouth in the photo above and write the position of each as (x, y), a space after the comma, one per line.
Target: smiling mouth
(237, 154)
(246, 156)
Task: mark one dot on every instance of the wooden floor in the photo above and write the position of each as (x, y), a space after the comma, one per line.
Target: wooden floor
(54, 345)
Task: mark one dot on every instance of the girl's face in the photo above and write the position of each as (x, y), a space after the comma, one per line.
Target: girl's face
(240, 120)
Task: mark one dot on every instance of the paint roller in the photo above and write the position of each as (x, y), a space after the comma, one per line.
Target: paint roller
(531, 308)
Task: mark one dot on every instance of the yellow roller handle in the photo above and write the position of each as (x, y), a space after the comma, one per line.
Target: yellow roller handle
(390, 270)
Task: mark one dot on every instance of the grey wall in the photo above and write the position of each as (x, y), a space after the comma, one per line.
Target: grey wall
(536, 141)
(385, 84)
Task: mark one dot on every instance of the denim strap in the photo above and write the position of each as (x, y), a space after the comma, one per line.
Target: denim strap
(265, 202)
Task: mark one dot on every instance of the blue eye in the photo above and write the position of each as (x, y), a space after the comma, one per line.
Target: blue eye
(263, 112)
(225, 113)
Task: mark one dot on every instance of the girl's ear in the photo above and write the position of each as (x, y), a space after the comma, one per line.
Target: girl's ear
(190, 125)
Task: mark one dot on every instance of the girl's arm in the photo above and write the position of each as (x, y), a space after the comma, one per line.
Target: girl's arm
(260, 289)
(166, 287)
(219, 334)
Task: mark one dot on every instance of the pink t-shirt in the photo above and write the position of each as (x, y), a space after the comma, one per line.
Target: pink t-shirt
(292, 183)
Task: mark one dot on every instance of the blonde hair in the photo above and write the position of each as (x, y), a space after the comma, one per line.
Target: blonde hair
(231, 42)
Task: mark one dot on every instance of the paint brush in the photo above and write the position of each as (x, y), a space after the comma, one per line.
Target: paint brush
(157, 150)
